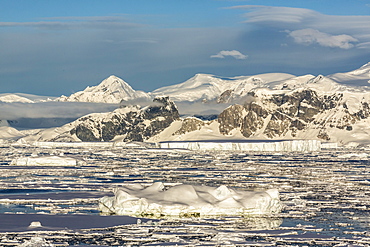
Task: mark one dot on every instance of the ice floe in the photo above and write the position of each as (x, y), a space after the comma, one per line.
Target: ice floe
(189, 200)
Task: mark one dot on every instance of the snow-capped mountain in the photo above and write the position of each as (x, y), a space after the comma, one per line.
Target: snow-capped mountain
(206, 87)
(111, 90)
(129, 123)
(265, 106)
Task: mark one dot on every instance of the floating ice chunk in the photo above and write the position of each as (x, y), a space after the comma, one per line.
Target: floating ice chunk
(35, 224)
(36, 242)
(46, 160)
(189, 200)
(354, 156)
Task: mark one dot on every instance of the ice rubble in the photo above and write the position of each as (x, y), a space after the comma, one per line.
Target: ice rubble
(251, 145)
(188, 200)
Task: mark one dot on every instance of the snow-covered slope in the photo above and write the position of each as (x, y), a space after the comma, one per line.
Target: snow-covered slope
(23, 98)
(358, 77)
(208, 87)
(7, 132)
(11, 98)
(110, 90)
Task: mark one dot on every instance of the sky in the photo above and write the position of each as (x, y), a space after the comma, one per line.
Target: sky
(62, 46)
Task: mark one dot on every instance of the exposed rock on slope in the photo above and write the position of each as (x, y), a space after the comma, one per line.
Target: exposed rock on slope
(290, 114)
(190, 124)
(130, 123)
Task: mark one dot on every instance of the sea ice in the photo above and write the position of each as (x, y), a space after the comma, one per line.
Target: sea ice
(189, 200)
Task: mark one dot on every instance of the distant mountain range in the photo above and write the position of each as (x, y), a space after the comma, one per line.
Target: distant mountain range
(207, 87)
(334, 108)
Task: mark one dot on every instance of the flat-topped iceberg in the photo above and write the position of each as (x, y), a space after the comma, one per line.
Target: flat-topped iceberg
(47, 160)
(189, 200)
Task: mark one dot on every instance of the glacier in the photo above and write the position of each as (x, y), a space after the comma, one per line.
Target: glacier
(247, 145)
(188, 200)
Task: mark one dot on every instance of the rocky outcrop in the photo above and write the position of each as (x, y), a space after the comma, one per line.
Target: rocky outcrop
(133, 123)
(189, 124)
(285, 114)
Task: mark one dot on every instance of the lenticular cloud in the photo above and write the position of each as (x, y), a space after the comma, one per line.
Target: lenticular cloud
(311, 36)
(189, 200)
(234, 53)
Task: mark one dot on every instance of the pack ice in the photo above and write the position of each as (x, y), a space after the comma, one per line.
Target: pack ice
(188, 200)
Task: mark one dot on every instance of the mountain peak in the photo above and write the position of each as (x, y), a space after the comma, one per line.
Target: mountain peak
(112, 79)
(111, 90)
(114, 83)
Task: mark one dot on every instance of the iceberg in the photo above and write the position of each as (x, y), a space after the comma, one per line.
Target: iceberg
(188, 200)
(47, 161)
(247, 145)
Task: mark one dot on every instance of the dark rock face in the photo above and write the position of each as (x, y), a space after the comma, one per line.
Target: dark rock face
(225, 97)
(231, 118)
(137, 125)
(276, 115)
(189, 125)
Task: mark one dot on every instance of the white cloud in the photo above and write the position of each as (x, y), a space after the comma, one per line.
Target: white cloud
(310, 36)
(234, 53)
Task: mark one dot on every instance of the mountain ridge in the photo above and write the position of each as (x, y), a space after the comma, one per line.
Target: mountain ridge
(267, 106)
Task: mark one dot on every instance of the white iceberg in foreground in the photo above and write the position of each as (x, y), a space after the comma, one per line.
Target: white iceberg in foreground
(188, 200)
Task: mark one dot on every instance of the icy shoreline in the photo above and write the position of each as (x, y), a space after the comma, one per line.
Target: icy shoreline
(247, 145)
(206, 145)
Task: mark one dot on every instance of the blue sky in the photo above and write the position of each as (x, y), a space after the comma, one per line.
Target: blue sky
(52, 47)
